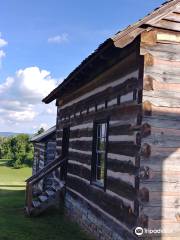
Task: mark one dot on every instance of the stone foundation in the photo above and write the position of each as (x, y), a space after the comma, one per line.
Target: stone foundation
(92, 221)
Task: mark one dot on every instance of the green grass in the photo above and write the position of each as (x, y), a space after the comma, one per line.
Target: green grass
(14, 225)
(13, 178)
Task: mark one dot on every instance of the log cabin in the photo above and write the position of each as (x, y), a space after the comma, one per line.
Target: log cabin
(118, 133)
(44, 153)
(44, 148)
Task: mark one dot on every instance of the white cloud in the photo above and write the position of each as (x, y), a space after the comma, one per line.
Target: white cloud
(6, 85)
(22, 116)
(2, 55)
(50, 109)
(64, 37)
(44, 125)
(21, 96)
(34, 84)
(3, 42)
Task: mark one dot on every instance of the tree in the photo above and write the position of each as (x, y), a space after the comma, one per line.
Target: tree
(41, 130)
(18, 149)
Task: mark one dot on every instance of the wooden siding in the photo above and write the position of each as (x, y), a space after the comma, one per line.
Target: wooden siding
(160, 171)
(115, 95)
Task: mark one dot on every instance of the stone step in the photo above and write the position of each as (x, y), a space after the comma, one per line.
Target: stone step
(50, 193)
(43, 198)
(36, 203)
(52, 188)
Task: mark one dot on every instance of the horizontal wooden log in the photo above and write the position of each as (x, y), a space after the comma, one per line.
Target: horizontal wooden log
(160, 98)
(122, 158)
(99, 213)
(120, 147)
(121, 166)
(79, 169)
(103, 90)
(124, 113)
(80, 157)
(40, 144)
(161, 175)
(109, 203)
(152, 84)
(160, 199)
(107, 95)
(173, 17)
(114, 73)
(87, 132)
(42, 149)
(173, 187)
(121, 188)
(162, 121)
(161, 140)
(166, 24)
(160, 112)
(123, 148)
(169, 52)
(166, 158)
(124, 138)
(163, 73)
(160, 212)
(81, 145)
(82, 126)
(157, 37)
(126, 129)
(123, 177)
(162, 76)
(164, 152)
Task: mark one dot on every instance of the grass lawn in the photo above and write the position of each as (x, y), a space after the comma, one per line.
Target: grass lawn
(15, 226)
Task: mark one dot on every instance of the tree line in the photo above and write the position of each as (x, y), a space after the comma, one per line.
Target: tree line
(17, 150)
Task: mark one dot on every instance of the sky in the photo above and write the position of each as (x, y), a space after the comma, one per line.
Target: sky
(42, 41)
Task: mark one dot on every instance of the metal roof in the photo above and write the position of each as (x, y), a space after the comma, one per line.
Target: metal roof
(42, 136)
(120, 40)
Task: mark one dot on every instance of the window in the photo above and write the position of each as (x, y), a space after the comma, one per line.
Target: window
(99, 153)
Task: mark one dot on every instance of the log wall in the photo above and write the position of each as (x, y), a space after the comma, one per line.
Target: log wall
(39, 161)
(114, 95)
(39, 156)
(160, 160)
(44, 152)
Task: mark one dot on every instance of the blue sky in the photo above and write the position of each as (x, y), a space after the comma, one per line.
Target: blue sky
(44, 40)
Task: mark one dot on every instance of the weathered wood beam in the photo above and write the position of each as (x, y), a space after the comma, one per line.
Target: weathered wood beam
(109, 203)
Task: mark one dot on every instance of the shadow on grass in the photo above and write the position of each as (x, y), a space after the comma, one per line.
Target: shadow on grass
(51, 225)
(11, 186)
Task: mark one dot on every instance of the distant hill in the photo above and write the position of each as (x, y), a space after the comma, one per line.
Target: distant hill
(9, 134)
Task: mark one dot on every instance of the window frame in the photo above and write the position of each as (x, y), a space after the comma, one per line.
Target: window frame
(94, 153)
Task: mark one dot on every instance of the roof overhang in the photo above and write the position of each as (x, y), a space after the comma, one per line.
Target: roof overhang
(119, 40)
(44, 135)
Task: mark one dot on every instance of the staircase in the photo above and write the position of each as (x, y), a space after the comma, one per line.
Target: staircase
(39, 201)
